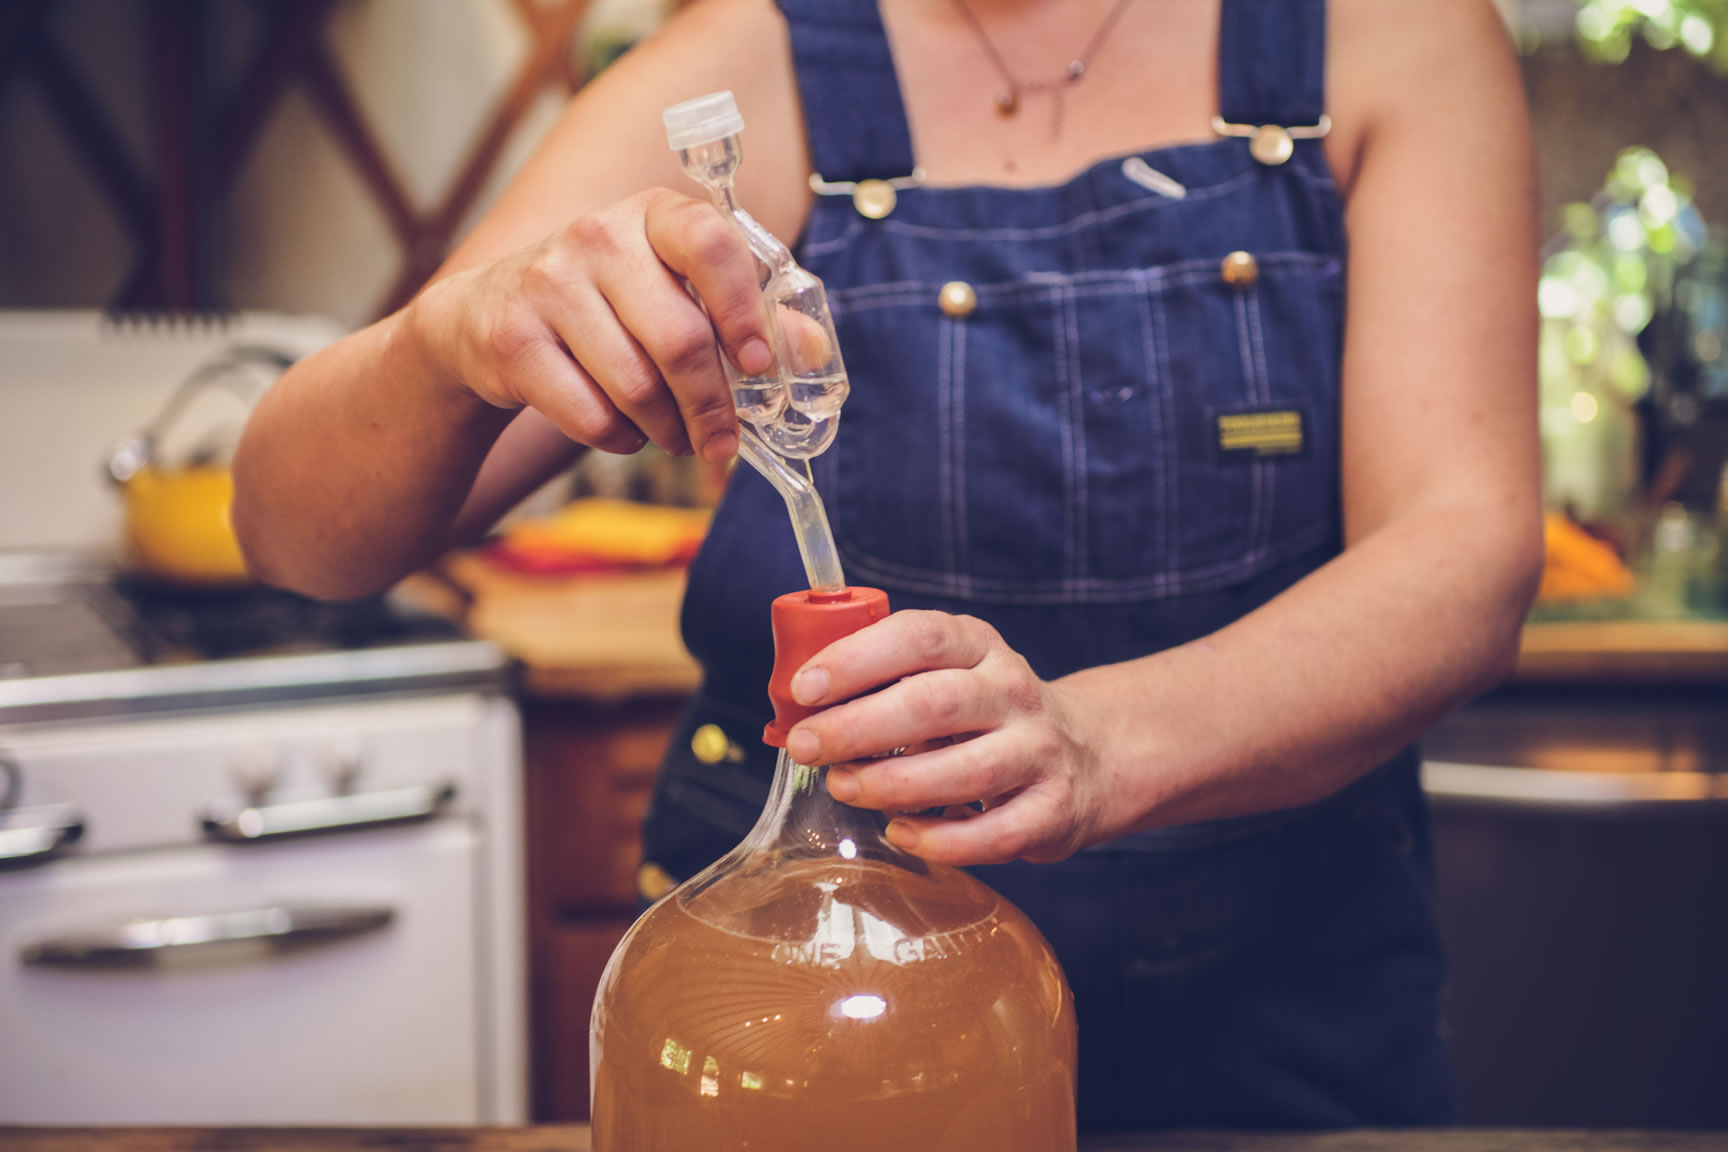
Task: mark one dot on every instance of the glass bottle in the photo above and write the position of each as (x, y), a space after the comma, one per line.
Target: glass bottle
(818, 987)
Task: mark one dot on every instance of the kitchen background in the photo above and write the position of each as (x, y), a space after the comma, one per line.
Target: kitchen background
(278, 171)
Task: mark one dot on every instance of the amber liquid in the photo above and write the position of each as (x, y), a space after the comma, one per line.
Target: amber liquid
(833, 1005)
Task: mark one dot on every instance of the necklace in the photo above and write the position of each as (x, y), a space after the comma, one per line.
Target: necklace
(1008, 100)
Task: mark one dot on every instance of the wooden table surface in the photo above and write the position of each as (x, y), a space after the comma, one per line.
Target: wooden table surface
(575, 1139)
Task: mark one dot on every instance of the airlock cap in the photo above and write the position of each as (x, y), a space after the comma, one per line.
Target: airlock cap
(702, 120)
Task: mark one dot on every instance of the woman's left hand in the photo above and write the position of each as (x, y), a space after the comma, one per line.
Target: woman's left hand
(984, 729)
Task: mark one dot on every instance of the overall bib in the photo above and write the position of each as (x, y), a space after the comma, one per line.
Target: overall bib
(1116, 431)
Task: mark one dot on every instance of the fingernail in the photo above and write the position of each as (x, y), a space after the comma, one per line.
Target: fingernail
(810, 685)
(720, 447)
(755, 357)
(803, 746)
(842, 785)
(901, 834)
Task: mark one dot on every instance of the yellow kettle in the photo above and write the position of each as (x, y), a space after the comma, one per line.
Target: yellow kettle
(177, 525)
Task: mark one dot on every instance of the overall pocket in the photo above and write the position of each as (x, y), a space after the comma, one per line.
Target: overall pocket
(1099, 438)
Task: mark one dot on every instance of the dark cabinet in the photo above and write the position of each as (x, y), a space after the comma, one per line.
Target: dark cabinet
(1581, 854)
(590, 771)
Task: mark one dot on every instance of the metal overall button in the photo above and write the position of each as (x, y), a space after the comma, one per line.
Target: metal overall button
(874, 199)
(1273, 144)
(710, 745)
(1239, 270)
(653, 881)
(958, 298)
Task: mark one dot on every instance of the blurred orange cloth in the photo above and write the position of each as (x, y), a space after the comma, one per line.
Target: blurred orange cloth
(596, 535)
(1578, 566)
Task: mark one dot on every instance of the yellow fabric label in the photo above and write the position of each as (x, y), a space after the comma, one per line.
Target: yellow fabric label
(1262, 433)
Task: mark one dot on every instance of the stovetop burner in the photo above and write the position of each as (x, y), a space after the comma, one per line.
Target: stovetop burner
(124, 623)
(173, 626)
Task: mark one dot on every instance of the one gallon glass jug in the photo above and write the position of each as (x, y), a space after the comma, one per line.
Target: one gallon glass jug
(818, 988)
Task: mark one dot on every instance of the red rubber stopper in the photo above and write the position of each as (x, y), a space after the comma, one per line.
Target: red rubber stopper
(804, 624)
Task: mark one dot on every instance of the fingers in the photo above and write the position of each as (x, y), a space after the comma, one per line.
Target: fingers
(692, 240)
(1019, 830)
(932, 706)
(684, 386)
(608, 293)
(946, 677)
(626, 390)
(696, 242)
(902, 645)
(985, 768)
(569, 397)
(804, 342)
(637, 333)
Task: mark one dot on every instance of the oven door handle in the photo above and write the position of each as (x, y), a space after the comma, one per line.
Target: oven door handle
(153, 941)
(350, 812)
(37, 835)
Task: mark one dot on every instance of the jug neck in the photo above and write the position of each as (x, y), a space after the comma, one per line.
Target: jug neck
(801, 821)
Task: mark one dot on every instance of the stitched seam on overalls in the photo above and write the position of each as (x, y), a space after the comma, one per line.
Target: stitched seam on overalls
(1068, 380)
(1093, 590)
(1096, 216)
(1225, 570)
(1317, 175)
(1085, 284)
(855, 223)
(1062, 292)
(962, 522)
(1178, 274)
(1268, 491)
(1251, 386)
(1162, 436)
(946, 447)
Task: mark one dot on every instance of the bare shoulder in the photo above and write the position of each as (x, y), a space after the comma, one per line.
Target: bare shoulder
(717, 35)
(737, 45)
(1400, 66)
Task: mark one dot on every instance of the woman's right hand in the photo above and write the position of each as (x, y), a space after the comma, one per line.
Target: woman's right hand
(593, 327)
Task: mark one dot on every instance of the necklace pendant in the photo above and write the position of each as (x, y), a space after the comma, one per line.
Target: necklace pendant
(1008, 101)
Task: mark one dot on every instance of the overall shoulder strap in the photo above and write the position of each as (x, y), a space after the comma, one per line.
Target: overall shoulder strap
(1272, 62)
(851, 94)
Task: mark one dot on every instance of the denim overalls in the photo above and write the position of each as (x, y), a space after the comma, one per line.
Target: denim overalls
(1104, 417)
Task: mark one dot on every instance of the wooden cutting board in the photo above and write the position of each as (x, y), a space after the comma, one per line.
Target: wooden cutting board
(599, 636)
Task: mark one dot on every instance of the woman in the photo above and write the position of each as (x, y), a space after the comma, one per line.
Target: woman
(1195, 542)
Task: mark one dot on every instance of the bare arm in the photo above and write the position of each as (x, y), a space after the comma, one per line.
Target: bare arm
(526, 455)
(1421, 610)
(565, 305)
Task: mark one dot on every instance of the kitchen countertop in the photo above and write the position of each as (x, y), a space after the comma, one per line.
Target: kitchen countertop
(616, 636)
(1641, 651)
(575, 1139)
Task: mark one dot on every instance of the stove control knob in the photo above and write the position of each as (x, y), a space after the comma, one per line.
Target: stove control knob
(343, 760)
(257, 772)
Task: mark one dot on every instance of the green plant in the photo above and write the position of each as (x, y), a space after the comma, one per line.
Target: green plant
(1603, 278)
(1606, 27)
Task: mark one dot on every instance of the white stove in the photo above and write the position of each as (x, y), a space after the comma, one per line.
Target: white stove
(260, 857)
